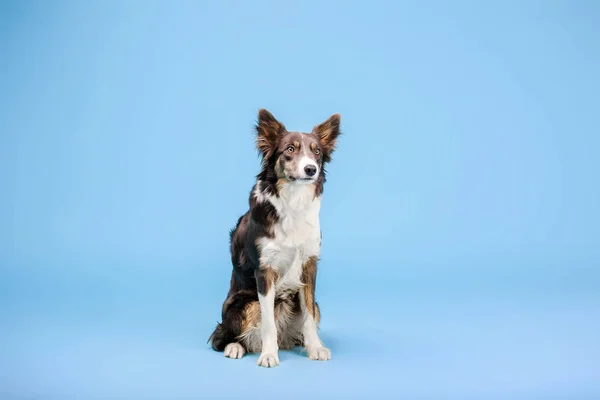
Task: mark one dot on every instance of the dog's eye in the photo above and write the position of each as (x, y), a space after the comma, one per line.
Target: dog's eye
(317, 151)
(290, 149)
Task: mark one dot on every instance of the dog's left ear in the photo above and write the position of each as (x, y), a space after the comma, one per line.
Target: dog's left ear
(328, 133)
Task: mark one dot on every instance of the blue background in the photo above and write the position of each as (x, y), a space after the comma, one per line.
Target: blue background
(460, 220)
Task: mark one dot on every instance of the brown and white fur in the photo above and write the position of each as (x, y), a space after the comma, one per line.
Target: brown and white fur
(275, 248)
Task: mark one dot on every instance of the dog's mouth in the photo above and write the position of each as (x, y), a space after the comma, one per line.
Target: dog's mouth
(295, 179)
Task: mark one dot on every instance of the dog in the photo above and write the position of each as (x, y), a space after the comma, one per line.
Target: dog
(275, 247)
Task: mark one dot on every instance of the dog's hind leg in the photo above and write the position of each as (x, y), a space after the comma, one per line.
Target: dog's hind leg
(226, 335)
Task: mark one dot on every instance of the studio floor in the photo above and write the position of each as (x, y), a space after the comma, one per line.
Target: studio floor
(97, 339)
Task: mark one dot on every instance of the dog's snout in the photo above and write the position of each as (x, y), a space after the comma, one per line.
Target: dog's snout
(310, 170)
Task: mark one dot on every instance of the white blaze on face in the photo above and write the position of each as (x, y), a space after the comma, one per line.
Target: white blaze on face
(306, 161)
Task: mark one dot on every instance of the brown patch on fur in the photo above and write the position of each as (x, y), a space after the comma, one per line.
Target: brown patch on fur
(317, 189)
(313, 146)
(297, 144)
(281, 182)
(309, 279)
(251, 316)
(265, 278)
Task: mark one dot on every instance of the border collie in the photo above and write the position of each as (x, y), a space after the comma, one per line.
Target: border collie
(275, 247)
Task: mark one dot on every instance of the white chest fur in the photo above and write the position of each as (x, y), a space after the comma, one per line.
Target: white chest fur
(297, 234)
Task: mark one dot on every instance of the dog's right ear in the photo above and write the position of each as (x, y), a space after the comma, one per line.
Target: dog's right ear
(268, 130)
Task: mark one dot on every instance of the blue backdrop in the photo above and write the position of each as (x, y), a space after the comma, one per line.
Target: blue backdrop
(460, 220)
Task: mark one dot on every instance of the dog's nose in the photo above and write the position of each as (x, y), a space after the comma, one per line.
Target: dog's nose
(310, 170)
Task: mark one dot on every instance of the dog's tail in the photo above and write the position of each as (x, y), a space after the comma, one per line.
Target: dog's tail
(221, 337)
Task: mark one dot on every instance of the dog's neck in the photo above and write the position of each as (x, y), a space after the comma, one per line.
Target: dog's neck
(291, 197)
(297, 196)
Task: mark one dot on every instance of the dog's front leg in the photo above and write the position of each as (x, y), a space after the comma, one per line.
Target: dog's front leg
(265, 282)
(310, 313)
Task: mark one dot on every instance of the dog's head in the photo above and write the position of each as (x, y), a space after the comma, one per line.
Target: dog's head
(295, 156)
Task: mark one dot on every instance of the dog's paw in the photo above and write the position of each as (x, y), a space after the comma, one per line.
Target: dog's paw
(319, 353)
(234, 350)
(268, 360)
